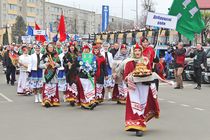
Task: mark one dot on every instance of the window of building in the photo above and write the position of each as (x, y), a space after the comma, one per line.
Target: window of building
(30, 19)
(12, 7)
(11, 17)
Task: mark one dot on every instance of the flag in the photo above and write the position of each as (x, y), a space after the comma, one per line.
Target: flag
(40, 38)
(62, 29)
(189, 17)
(67, 37)
(55, 38)
(51, 27)
(30, 31)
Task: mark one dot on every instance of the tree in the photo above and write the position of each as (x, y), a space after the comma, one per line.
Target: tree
(206, 18)
(147, 6)
(19, 29)
(5, 38)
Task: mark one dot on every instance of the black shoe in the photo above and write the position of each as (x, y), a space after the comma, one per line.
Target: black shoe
(72, 103)
(47, 105)
(7, 82)
(139, 133)
(83, 107)
(198, 87)
(92, 106)
(12, 84)
(177, 88)
(118, 102)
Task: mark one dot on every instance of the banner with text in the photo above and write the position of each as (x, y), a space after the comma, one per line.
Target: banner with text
(161, 20)
(39, 32)
(105, 17)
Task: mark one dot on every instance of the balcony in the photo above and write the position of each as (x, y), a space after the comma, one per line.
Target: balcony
(12, 1)
(11, 21)
(31, 5)
(31, 15)
(12, 12)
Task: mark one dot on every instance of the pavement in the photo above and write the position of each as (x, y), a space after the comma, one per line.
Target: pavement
(184, 116)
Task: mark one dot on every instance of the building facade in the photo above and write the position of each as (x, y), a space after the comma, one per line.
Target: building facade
(47, 15)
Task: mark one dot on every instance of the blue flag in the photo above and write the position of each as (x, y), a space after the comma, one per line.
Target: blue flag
(30, 31)
(51, 27)
(47, 38)
(55, 38)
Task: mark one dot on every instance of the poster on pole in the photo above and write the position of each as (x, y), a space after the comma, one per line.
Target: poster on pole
(105, 17)
(161, 20)
(39, 32)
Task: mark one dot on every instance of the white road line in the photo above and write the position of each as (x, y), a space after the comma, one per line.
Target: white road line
(5, 97)
(172, 102)
(200, 109)
(184, 105)
(161, 99)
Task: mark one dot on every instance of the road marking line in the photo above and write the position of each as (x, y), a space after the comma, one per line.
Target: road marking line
(172, 102)
(184, 105)
(200, 109)
(161, 99)
(5, 97)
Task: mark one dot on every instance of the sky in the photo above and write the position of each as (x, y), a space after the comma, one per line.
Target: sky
(161, 6)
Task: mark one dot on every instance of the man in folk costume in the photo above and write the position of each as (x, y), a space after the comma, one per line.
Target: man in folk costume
(141, 104)
(23, 81)
(36, 74)
(50, 62)
(120, 89)
(86, 87)
(10, 61)
(101, 74)
(108, 83)
(69, 62)
(61, 71)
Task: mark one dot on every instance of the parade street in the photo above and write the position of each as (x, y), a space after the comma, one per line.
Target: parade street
(184, 115)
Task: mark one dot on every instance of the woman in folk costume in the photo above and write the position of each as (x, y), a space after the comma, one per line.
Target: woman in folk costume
(23, 82)
(109, 82)
(61, 71)
(141, 104)
(87, 68)
(70, 59)
(120, 89)
(100, 75)
(36, 75)
(50, 62)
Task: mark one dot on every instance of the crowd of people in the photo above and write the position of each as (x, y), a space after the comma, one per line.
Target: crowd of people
(89, 74)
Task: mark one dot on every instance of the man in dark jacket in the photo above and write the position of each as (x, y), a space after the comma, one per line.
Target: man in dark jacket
(115, 49)
(199, 64)
(10, 67)
(179, 59)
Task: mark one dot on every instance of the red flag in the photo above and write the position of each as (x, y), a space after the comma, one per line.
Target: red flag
(40, 38)
(62, 29)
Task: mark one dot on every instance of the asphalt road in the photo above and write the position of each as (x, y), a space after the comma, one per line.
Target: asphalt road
(185, 115)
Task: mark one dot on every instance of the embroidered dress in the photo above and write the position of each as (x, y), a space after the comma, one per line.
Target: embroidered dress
(36, 73)
(86, 87)
(61, 75)
(50, 88)
(141, 104)
(71, 94)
